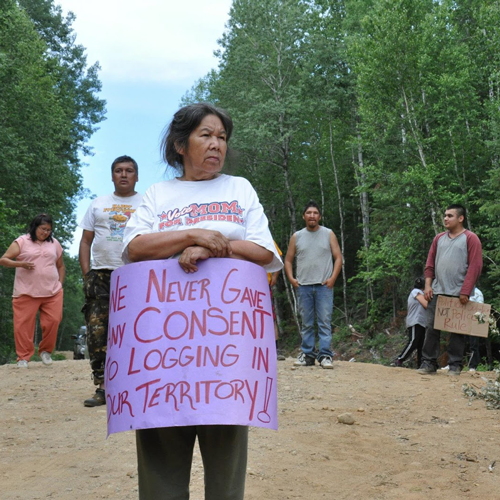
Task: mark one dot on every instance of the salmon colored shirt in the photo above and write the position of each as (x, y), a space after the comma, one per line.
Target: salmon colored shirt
(43, 281)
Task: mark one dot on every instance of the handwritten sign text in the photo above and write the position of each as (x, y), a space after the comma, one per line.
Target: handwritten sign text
(190, 349)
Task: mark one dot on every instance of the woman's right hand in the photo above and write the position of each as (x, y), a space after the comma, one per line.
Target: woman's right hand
(215, 242)
(191, 255)
(27, 265)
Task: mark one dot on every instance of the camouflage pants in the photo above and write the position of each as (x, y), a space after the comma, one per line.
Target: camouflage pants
(96, 310)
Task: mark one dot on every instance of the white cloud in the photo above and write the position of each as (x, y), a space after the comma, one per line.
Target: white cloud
(150, 40)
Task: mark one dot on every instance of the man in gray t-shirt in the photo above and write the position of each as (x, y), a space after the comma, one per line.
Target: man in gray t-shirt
(453, 267)
(314, 247)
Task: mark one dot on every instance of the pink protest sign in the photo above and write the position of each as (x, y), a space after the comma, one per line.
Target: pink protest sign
(190, 349)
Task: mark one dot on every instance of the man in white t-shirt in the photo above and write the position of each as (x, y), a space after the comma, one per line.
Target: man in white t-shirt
(103, 226)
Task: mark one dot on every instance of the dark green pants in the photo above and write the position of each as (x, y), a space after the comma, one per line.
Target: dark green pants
(165, 455)
(96, 285)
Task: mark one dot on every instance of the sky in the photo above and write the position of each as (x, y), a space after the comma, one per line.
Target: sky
(151, 53)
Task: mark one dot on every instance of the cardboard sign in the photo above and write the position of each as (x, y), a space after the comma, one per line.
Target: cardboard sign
(190, 349)
(452, 316)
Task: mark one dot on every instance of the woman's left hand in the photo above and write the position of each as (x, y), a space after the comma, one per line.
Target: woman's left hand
(191, 255)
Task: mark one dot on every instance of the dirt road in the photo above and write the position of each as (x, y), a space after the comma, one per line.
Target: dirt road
(414, 437)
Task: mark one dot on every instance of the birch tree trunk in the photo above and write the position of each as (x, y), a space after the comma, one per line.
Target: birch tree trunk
(365, 208)
(341, 215)
(320, 186)
(416, 137)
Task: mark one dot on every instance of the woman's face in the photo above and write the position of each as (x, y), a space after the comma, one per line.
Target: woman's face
(206, 151)
(43, 231)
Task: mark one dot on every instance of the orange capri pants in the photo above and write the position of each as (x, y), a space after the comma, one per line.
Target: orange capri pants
(25, 308)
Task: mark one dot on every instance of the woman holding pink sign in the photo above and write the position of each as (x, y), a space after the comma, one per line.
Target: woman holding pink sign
(201, 214)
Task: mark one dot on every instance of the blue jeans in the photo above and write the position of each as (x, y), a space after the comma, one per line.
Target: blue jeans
(316, 301)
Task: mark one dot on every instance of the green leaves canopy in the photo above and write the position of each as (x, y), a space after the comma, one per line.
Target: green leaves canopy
(386, 110)
(48, 111)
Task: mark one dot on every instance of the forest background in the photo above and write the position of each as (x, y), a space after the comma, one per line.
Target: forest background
(383, 111)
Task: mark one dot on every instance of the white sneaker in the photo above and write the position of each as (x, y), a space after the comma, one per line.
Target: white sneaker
(472, 370)
(46, 359)
(327, 363)
(22, 363)
(304, 360)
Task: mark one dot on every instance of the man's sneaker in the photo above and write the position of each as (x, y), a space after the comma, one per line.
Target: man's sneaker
(98, 399)
(46, 359)
(472, 369)
(22, 363)
(326, 363)
(280, 355)
(304, 360)
(427, 369)
(454, 372)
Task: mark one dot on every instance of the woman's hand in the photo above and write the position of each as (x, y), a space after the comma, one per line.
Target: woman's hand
(191, 255)
(162, 245)
(27, 265)
(215, 242)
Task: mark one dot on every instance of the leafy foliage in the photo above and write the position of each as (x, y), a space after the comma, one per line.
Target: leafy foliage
(490, 393)
(383, 111)
(48, 110)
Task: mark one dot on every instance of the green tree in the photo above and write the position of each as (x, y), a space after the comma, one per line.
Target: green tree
(77, 87)
(73, 302)
(48, 110)
(260, 63)
(421, 131)
(384, 111)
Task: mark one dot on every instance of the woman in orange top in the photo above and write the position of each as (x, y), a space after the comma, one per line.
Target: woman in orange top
(40, 271)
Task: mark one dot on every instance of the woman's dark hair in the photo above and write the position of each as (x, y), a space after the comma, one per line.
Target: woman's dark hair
(38, 221)
(419, 283)
(186, 120)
